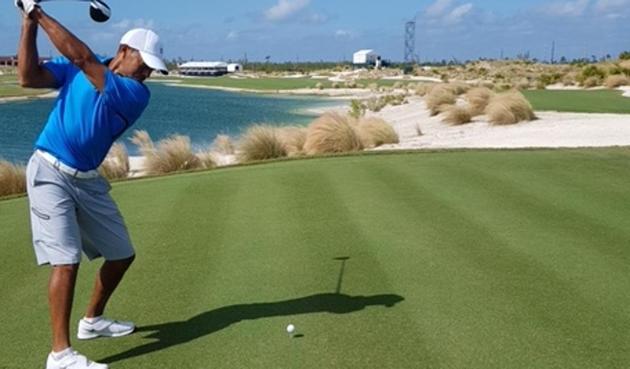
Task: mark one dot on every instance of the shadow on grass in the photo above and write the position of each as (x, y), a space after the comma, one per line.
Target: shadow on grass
(179, 332)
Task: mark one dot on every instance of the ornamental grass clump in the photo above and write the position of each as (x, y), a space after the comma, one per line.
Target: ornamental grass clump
(171, 154)
(421, 89)
(478, 99)
(509, 108)
(332, 133)
(457, 115)
(439, 95)
(458, 88)
(375, 132)
(116, 164)
(223, 144)
(617, 80)
(261, 142)
(293, 139)
(12, 179)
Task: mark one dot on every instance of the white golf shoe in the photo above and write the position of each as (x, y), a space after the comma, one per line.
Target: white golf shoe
(103, 328)
(72, 360)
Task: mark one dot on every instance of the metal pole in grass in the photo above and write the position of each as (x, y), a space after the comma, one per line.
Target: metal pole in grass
(343, 260)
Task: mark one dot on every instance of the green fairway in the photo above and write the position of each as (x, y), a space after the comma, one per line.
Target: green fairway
(599, 101)
(262, 84)
(471, 260)
(270, 84)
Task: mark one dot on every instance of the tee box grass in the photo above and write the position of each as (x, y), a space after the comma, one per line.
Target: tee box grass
(471, 259)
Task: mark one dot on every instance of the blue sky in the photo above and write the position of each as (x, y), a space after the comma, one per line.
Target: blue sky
(289, 30)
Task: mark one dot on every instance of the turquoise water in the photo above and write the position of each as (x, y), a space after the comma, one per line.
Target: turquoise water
(197, 113)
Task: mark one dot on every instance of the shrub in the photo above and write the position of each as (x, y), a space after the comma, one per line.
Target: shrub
(569, 79)
(261, 142)
(591, 73)
(172, 154)
(478, 99)
(457, 115)
(116, 164)
(12, 179)
(523, 84)
(487, 84)
(223, 145)
(293, 139)
(375, 132)
(319, 86)
(331, 133)
(592, 82)
(625, 55)
(351, 84)
(617, 80)
(458, 88)
(357, 109)
(439, 95)
(421, 89)
(509, 108)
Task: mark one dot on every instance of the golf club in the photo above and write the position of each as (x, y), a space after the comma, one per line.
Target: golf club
(99, 11)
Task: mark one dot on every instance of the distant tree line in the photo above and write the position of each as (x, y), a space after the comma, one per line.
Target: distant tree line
(308, 67)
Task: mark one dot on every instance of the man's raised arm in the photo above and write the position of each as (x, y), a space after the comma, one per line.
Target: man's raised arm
(30, 73)
(72, 48)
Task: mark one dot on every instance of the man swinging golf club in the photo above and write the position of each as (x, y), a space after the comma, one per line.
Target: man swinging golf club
(71, 209)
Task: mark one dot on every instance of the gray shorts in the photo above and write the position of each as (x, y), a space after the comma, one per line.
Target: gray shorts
(70, 215)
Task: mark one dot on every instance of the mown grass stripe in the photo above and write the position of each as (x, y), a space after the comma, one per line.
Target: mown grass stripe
(516, 277)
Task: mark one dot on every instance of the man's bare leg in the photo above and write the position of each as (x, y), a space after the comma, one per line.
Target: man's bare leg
(107, 280)
(60, 297)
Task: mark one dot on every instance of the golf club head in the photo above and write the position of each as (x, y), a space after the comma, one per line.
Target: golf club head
(99, 11)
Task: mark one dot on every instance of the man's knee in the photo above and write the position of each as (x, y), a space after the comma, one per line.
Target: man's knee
(65, 269)
(124, 263)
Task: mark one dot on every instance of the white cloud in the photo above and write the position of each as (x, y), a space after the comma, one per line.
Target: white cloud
(127, 24)
(438, 8)
(567, 8)
(344, 34)
(284, 9)
(317, 18)
(607, 6)
(456, 15)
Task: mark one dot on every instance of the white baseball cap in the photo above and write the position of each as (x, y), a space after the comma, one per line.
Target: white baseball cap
(148, 44)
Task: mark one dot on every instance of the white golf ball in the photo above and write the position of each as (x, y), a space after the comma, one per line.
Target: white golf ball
(290, 329)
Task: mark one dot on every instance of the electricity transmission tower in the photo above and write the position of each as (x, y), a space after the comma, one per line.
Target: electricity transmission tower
(410, 42)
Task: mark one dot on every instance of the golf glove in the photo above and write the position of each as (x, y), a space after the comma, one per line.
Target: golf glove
(26, 6)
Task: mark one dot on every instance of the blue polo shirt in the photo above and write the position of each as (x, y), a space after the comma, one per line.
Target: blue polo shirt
(84, 122)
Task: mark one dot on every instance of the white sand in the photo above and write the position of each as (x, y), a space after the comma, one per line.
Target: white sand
(551, 130)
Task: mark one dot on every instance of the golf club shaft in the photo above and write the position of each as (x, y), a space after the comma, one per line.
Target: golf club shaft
(44, 1)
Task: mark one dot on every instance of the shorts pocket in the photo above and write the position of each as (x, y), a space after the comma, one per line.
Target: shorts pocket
(41, 215)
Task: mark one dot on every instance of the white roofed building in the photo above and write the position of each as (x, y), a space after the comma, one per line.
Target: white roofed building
(203, 68)
(365, 57)
(235, 68)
